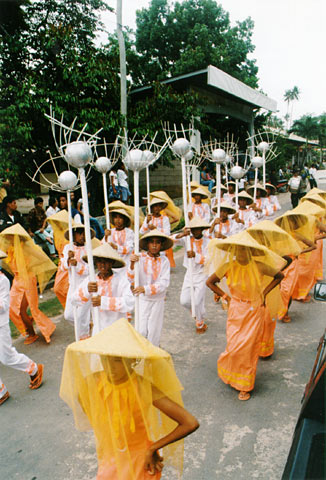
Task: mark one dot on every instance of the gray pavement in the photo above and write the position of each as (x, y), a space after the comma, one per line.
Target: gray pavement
(236, 440)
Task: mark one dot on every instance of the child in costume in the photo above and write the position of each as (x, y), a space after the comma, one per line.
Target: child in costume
(261, 205)
(230, 194)
(214, 200)
(156, 220)
(245, 216)
(121, 237)
(154, 279)
(126, 390)
(114, 297)
(272, 198)
(73, 259)
(29, 265)
(224, 226)
(252, 271)
(198, 208)
(197, 254)
(8, 354)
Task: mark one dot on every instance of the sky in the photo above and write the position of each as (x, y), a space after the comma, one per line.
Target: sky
(290, 38)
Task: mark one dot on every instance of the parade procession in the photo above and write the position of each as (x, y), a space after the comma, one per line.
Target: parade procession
(162, 226)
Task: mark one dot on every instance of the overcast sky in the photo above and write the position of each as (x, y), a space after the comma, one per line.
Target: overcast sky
(290, 38)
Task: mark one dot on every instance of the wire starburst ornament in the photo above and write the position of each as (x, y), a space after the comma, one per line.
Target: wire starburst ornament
(264, 146)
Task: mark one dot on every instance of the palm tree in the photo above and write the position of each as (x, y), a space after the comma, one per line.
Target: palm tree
(289, 97)
(307, 127)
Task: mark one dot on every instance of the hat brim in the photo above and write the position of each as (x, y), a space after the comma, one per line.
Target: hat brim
(77, 227)
(125, 216)
(166, 242)
(116, 263)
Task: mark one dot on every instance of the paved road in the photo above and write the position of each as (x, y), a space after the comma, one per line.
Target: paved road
(236, 440)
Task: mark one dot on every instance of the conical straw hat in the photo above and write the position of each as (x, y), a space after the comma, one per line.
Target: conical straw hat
(317, 199)
(309, 208)
(274, 234)
(197, 222)
(3, 254)
(156, 201)
(167, 242)
(16, 229)
(106, 251)
(124, 213)
(258, 187)
(77, 226)
(130, 345)
(225, 206)
(242, 239)
(270, 185)
(223, 189)
(248, 197)
(317, 191)
(61, 216)
(231, 182)
(200, 191)
(194, 185)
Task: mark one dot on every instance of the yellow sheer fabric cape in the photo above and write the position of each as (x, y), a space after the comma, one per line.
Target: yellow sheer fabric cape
(297, 222)
(24, 257)
(59, 223)
(172, 211)
(129, 209)
(121, 413)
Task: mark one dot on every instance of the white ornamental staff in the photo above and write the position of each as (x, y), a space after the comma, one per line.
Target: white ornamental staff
(150, 157)
(79, 154)
(218, 157)
(263, 147)
(103, 165)
(135, 160)
(237, 172)
(182, 147)
(256, 162)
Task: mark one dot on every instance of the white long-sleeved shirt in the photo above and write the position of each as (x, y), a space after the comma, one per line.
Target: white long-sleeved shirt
(229, 198)
(4, 299)
(116, 298)
(248, 216)
(154, 275)
(81, 268)
(197, 246)
(274, 203)
(161, 223)
(201, 210)
(228, 228)
(266, 208)
(124, 239)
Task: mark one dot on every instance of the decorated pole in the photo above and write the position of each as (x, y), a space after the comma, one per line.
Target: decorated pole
(181, 147)
(135, 160)
(237, 172)
(150, 157)
(263, 147)
(256, 162)
(103, 165)
(218, 157)
(79, 154)
(67, 181)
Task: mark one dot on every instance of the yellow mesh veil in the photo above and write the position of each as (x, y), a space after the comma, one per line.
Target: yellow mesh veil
(110, 382)
(117, 204)
(272, 236)
(297, 222)
(317, 191)
(172, 211)
(59, 223)
(24, 257)
(247, 265)
(312, 205)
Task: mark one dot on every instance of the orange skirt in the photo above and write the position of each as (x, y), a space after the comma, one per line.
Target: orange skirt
(61, 285)
(289, 281)
(307, 263)
(237, 365)
(267, 343)
(319, 268)
(17, 292)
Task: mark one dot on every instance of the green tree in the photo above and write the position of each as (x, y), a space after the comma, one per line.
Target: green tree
(189, 36)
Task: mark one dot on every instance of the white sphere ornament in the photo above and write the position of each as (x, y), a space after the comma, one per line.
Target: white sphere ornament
(103, 164)
(67, 180)
(135, 160)
(78, 154)
(181, 146)
(228, 159)
(257, 162)
(263, 146)
(149, 156)
(218, 156)
(237, 172)
(189, 156)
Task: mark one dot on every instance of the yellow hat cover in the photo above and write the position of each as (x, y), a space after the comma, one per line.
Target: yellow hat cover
(110, 382)
(317, 191)
(24, 257)
(272, 236)
(315, 199)
(297, 222)
(59, 223)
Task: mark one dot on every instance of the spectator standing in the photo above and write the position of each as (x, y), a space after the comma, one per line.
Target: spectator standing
(294, 185)
(312, 176)
(53, 207)
(122, 179)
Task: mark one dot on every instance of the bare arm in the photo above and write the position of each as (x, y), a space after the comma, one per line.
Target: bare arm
(310, 245)
(211, 283)
(187, 424)
(276, 280)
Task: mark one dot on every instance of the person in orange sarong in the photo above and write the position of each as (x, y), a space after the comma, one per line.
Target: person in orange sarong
(126, 390)
(29, 264)
(249, 282)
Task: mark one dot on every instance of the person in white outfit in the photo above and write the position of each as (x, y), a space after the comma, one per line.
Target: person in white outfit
(214, 200)
(261, 205)
(196, 255)
(78, 270)
(224, 226)
(156, 219)
(111, 292)
(120, 237)
(154, 279)
(229, 197)
(8, 354)
(245, 216)
(272, 199)
(199, 209)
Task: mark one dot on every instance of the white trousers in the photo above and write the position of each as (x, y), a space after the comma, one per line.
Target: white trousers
(151, 315)
(199, 283)
(11, 358)
(83, 315)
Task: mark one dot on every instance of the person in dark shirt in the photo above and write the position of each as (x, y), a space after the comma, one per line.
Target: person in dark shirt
(10, 216)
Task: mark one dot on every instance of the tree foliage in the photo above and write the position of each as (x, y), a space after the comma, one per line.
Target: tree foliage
(189, 36)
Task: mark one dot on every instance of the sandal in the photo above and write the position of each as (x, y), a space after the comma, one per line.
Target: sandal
(286, 319)
(243, 396)
(201, 329)
(4, 398)
(36, 382)
(30, 339)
